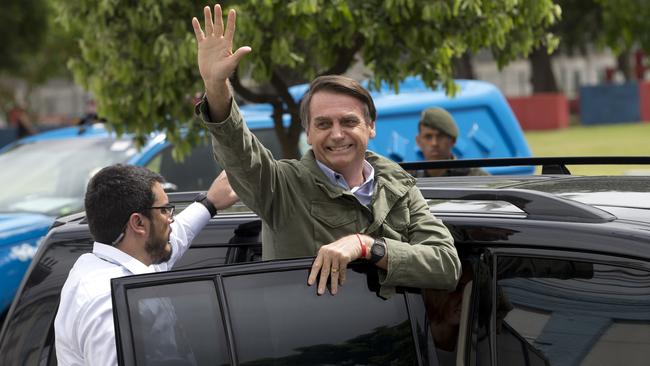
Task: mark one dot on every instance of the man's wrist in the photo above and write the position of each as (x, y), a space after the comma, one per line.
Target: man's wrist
(377, 250)
(203, 199)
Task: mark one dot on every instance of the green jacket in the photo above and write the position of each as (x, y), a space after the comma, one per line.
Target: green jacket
(302, 210)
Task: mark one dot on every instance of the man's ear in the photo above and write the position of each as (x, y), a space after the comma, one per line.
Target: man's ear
(137, 223)
(373, 131)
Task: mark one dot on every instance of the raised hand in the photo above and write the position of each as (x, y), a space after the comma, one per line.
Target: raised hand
(216, 59)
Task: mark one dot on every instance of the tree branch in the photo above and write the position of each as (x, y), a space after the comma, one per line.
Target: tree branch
(346, 56)
(250, 95)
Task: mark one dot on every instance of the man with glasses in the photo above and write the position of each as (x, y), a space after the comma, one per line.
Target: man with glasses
(135, 232)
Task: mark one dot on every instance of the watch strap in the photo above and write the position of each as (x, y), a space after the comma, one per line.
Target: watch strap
(378, 250)
(203, 199)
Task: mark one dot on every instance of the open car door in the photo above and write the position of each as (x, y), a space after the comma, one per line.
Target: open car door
(263, 313)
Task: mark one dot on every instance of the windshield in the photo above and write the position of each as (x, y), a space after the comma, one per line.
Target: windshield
(50, 176)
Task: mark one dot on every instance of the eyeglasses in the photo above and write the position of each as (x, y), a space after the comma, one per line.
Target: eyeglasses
(167, 210)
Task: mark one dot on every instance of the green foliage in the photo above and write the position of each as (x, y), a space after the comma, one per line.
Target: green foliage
(34, 48)
(22, 31)
(625, 24)
(139, 57)
(581, 24)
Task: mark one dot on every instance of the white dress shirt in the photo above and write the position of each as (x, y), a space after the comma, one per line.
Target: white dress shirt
(84, 331)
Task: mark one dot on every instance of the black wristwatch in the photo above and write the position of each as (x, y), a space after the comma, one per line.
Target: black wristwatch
(378, 250)
(203, 199)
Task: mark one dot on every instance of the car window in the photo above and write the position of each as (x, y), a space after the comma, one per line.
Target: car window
(194, 173)
(177, 324)
(198, 169)
(445, 319)
(561, 312)
(50, 176)
(278, 320)
(272, 317)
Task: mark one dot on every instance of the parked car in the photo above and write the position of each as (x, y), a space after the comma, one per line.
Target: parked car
(555, 272)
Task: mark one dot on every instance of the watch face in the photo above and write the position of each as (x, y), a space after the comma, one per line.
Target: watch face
(379, 249)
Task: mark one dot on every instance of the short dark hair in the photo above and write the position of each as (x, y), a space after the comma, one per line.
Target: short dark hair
(113, 194)
(340, 85)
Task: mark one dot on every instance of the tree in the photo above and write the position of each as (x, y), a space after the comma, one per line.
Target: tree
(34, 48)
(620, 25)
(20, 36)
(625, 27)
(579, 27)
(139, 58)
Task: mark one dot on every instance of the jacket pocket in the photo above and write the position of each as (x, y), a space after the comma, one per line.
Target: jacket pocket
(399, 217)
(332, 220)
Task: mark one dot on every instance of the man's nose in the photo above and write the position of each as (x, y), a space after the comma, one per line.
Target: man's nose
(337, 131)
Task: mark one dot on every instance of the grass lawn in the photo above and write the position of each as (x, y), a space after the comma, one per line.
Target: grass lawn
(632, 139)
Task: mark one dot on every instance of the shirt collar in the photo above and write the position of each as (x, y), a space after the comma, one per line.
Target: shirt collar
(111, 254)
(339, 180)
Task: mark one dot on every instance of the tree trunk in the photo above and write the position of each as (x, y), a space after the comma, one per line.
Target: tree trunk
(463, 68)
(542, 77)
(624, 65)
(288, 137)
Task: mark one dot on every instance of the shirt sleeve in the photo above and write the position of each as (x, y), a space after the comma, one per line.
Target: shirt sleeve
(185, 227)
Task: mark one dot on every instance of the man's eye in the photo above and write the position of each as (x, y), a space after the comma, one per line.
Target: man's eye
(164, 210)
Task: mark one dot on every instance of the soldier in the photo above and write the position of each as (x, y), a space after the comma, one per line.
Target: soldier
(437, 134)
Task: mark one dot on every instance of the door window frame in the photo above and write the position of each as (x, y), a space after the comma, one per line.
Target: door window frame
(120, 286)
(493, 254)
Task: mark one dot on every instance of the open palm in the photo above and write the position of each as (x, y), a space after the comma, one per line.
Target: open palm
(216, 59)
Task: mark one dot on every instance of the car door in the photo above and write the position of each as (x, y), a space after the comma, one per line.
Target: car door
(565, 308)
(264, 314)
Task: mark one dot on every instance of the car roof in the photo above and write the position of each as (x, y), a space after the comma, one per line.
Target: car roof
(85, 131)
(624, 197)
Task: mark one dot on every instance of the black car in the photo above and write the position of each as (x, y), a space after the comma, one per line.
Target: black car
(556, 271)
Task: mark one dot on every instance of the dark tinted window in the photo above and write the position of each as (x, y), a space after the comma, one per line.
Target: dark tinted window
(444, 320)
(177, 324)
(560, 312)
(198, 169)
(278, 320)
(194, 173)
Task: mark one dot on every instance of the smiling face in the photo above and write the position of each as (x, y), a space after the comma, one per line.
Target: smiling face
(339, 131)
(157, 245)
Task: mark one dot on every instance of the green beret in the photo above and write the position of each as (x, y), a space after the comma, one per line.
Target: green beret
(441, 120)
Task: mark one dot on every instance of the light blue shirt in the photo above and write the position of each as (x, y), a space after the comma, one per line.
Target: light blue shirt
(363, 192)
